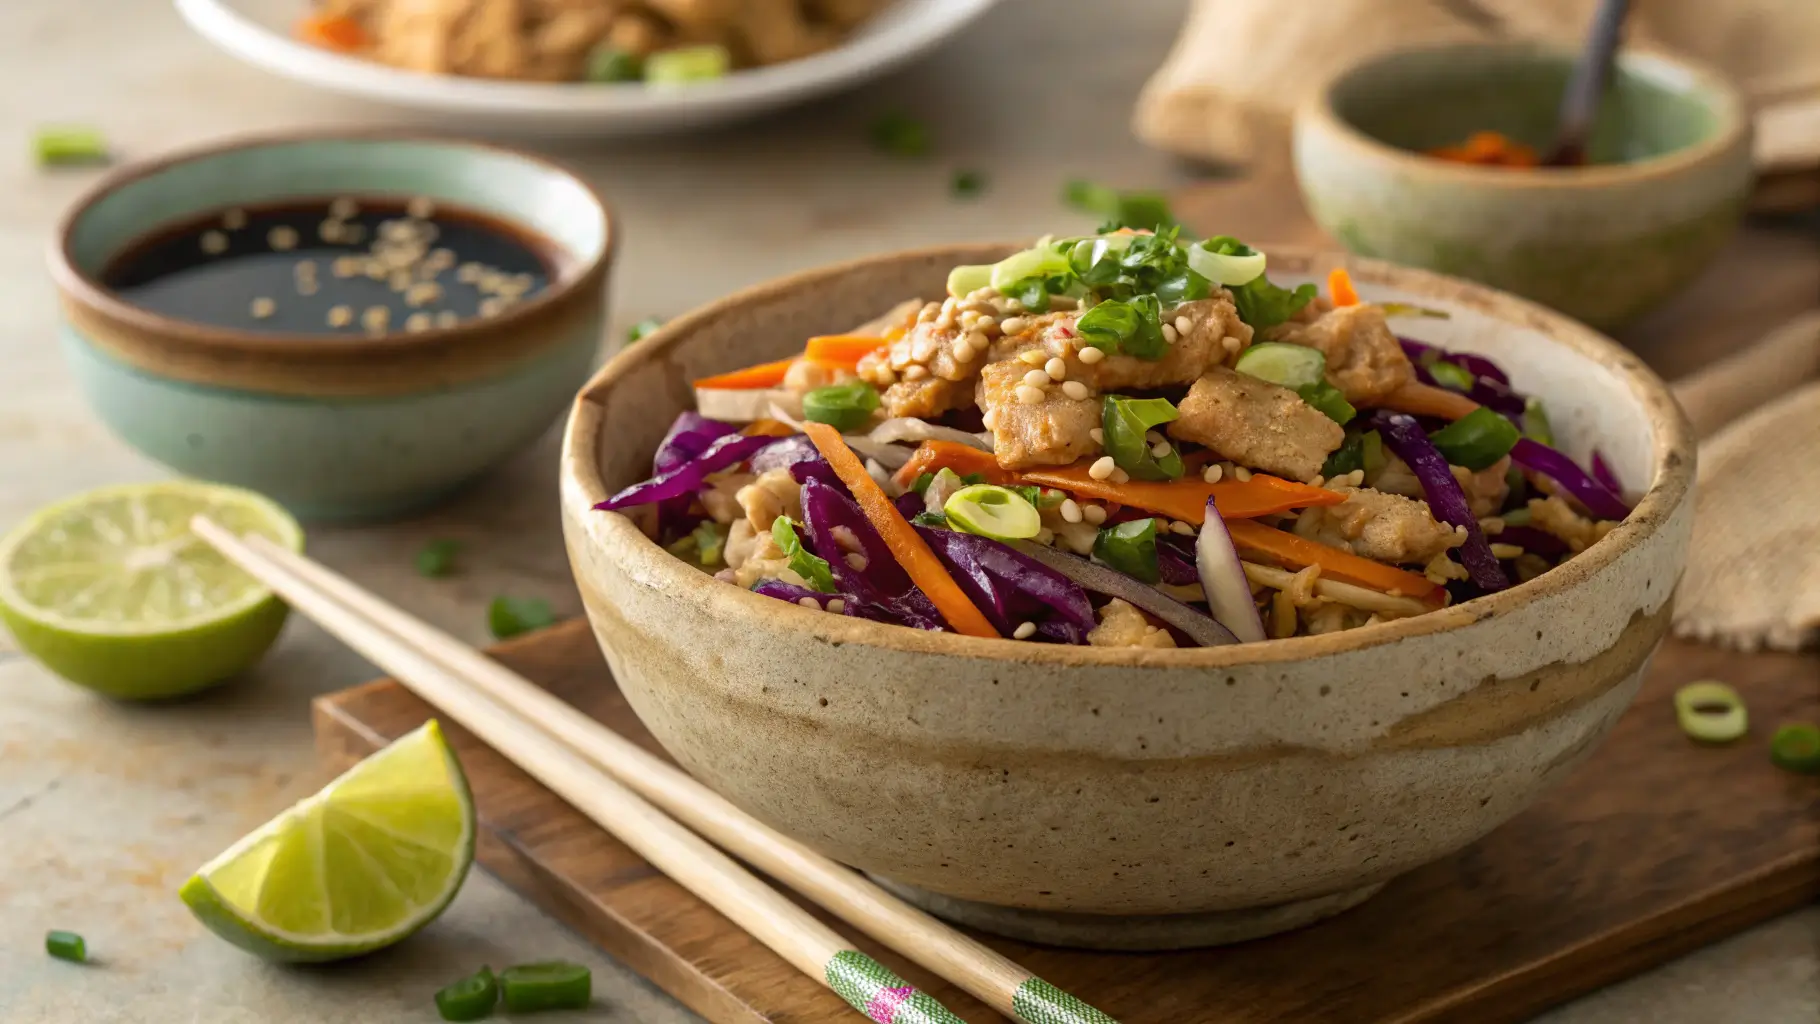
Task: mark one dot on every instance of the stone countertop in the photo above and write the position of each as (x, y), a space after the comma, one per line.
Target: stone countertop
(106, 808)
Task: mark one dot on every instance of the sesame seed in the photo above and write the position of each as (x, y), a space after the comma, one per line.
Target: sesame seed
(990, 419)
(1024, 631)
(344, 208)
(468, 273)
(1184, 529)
(1012, 325)
(214, 242)
(307, 286)
(376, 318)
(986, 323)
(1095, 514)
(282, 238)
(422, 294)
(1160, 449)
(341, 316)
(418, 321)
(1091, 355)
(1076, 390)
(1212, 474)
(492, 307)
(1098, 434)
(1056, 368)
(1102, 468)
(1044, 536)
(233, 219)
(837, 606)
(915, 371)
(969, 318)
(1028, 395)
(857, 562)
(809, 602)
(304, 268)
(329, 230)
(1152, 437)
(1169, 334)
(1183, 325)
(398, 280)
(977, 342)
(447, 318)
(886, 376)
(846, 538)
(345, 266)
(421, 207)
(1119, 476)
(1033, 356)
(1241, 473)
(1071, 511)
(1037, 379)
(374, 269)
(263, 308)
(1014, 306)
(961, 351)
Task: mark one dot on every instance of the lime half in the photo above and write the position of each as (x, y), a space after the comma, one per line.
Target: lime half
(372, 858)
(111, 590)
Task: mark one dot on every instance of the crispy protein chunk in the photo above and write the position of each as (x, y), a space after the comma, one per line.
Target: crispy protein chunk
(1257, 424)
(1053, 431)
(1383, 527)
(1364, 359)
(928, 371)
(1121, 625)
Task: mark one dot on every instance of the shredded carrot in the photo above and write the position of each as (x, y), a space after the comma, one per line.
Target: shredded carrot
(843, 349)
(764, 375)
(1427, 400)
(1340, 289)
(910, 550)
(1184, 499)
(332, 32)
(768, 428)
(1299, 552)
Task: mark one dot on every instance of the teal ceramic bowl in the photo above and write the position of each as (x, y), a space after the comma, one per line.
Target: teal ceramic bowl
(1670, 169)
(335, 427)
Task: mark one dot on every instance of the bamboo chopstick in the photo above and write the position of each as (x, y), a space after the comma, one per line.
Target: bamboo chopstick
(810, 946)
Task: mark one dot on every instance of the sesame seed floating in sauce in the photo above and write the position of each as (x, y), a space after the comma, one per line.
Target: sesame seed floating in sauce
(341, 316)
(375, 319)
(234, 219)
(421, 207)
(344, 209)
(214, 243)
(263, 308)
(282, 238)
(330, 230)
(492, 306)
(469, 273)
(417, 322)
(447, 318)
(422, 294)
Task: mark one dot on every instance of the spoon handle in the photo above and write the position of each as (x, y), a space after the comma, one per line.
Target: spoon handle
(1585, 90)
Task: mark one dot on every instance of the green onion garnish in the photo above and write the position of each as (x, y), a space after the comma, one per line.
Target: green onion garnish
(687, 64)
(967, 184)
(710, 542)
(471, 998)
(992, 511)
(1452, 376)
(62, 145)
(922, 482)
(1796, 747)
(1711, 712)
(66, 946)
(814, 570)
(900, 134)
(1535, 422)
(1328, 400)
(841, 406)
(930, 519)
(1130, 547)
(1476, 440)
(1141, 211)
(1125, 423)
(555, 985)
(509, 616)
(437, 558)
(643, 329)
(609, 65)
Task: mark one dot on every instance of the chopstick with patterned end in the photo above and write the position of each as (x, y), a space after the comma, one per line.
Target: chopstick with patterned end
(995, 980)
(810, 946)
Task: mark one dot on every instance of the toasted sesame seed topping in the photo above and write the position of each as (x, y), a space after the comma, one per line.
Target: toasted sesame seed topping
(1024, 631)
(330, 230)
(1029, 394)
(1091, 355)
(1098, 434)
(422, 293)
(492, 306)
(1033, 356)
(837, 605)
(282, 238)
(1212, 474)
(418, 321)
(1056, 368)
(1183, 325)
(1076, 390)
(263, 308)
(1102, 468)
(1095, 514)
(341, 316)
(421, 207)
(346, 266)
(1070, 510)
(214, 242)
(376, 318)
(469, 273)
(1169, 334)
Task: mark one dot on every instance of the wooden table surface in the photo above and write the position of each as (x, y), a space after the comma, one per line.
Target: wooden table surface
(104, 809)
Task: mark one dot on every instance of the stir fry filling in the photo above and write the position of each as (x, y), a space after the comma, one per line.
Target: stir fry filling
(1126, 439)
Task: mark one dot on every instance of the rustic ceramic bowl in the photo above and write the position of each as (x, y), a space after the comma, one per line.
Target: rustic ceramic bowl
(334, 427)
(1121, 798)
(1603, 243)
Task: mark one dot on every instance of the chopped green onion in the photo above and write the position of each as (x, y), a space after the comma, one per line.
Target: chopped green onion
(967, 184)
(687, 64)
(813, 570)
(1406, 309)
(643, 329)
(710, 542)
(1141, 211)
(1371, 454)
(1477, 439)
(1796, 747)
(1329, 400)
(842, 406)
(973, 478)
(1133, 327)
(510, 616)
(1125, 424)
(1452, 376)
(1289, 366)
(1535, 422)
(1518, 487)
(437, 558)
(900, 134)
(1130, 548)
(1350, 455)
(1226, 261)
(471, 998)
(922, 482)
(992, 511)
(555, 985)
(930, 519)
(1041, 262)
(965, 280)
(1515, 517)
(1711, 712)
(69, 144)
(607, 64)
(66, 946)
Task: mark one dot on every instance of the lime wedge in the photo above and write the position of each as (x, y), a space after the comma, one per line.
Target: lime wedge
(372, 858)
(110, 589)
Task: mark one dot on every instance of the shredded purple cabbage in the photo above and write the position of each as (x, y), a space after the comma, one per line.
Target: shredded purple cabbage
(1602, 472)
(910, 504)
(1540, 458)
(794, 594)
(882, 590)
(1012, 588)
(1494, 393)
(723, 453)
(786, 452)
(1175, 560)
(1445, 498)
(1478, 366)
(688, 438)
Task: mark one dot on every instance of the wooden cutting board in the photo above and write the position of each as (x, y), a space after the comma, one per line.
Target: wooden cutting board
(1653, 848)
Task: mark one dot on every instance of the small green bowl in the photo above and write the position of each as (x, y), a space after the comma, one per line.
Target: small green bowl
(1671, 167)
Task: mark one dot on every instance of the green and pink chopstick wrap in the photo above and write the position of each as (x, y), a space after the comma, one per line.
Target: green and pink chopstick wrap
(871, 988)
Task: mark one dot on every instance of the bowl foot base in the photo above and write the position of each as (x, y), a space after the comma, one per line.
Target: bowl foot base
(1135, 932)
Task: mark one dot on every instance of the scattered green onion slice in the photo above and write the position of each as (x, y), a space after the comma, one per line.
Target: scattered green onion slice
(66, 946)
(1289, 366)
(1226, 261)
(1141, 211)
(1039, 262)
(607, 64)
(1406, 309)
(922, 482)
(803, 562)
(1130, 547)
(710, 542)
(687, 64)
(1125, 423)
(1371, 454)
(510, 616)
(967, 184)
(992, 511)
(437, 558)
(1452, 376)
(965, 280)
(471, 998)
(69, 144)
(1132, 327)
(1796, 747)
(554, 985)
(930, 519)
(1328, 400)
(1711, 712)
(1535, 422)
(900, 134)
(643, 329)
(1477, 439)
(1515, 517)
(842, 406)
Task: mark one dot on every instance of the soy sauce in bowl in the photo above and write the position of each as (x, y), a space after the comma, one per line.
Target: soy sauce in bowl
(335, 266)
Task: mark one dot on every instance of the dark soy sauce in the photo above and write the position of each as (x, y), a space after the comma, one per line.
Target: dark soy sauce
(350, 266)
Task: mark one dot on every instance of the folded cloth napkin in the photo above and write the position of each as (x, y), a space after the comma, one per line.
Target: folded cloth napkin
(1239, 67)
(1753, 573)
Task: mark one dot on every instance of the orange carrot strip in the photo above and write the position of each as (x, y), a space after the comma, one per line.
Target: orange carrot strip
(910, 550)
(764, 375)
(332, 32)
(767, 427)
(843, 349)
(1340, 289)
(1300, 552)
(1181, 499)
(1427, 400)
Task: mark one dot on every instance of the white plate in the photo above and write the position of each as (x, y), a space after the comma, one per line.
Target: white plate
(258, 32)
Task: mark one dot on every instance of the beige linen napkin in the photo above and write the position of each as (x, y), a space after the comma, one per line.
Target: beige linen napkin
(1753, 573)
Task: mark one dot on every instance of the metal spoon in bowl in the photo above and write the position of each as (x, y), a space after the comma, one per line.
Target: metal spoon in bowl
(1586, 89)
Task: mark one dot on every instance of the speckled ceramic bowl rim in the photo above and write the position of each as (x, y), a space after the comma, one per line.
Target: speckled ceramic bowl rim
(1733, 129)
(86, 289)
(650, 564)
